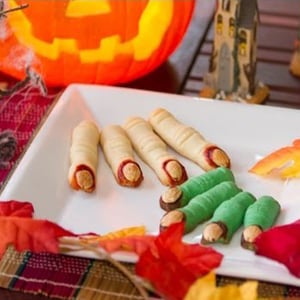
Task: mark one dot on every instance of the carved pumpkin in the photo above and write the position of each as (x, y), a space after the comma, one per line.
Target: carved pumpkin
(91, 41)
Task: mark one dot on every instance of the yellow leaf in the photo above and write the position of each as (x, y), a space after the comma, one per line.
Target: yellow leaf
(128, 231)
(123, 232)
(205, 289)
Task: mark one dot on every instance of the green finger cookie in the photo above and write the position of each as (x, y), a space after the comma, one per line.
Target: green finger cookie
(201, 207)
(262, 213)
(230, 215)
(180, 196)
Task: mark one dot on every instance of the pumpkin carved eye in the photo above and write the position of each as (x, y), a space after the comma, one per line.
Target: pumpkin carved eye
(79, 8)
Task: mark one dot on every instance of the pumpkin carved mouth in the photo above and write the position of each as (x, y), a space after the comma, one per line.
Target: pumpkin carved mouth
(141, 45)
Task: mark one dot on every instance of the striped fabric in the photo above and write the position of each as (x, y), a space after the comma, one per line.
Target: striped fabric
(64, 277)
(67, 277)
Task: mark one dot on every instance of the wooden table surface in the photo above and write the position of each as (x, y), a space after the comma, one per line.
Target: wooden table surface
(184, 71)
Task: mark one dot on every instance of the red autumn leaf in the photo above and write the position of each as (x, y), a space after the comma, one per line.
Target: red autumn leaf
(16, 209)
(137, 244)
(287, 251)
(30, 234)
(170, 263)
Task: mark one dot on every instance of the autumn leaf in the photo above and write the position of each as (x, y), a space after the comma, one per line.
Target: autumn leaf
(132, 239)
(137, 244)
(170, 263)
(124, 232)
(30, 234)
(286, 160)
(16, 209)
(287, 251)
(205, 288)
(116, 234)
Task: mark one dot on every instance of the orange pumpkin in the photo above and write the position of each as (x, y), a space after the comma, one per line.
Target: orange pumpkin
(91, 41)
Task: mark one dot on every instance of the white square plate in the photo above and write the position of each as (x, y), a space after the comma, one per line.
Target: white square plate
(245, 132)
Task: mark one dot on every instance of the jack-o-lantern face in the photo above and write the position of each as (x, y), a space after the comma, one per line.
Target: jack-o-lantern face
(109, 41)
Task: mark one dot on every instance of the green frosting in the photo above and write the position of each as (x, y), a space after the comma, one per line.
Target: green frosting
(202, 183)
(262, 213)
(231, 213)
(201, 207)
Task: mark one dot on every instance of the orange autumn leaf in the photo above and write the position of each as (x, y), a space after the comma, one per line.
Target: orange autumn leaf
(16, 209)
(286, 160)
(137, 244)
(205, 288)
(30, 234)
(131, 239)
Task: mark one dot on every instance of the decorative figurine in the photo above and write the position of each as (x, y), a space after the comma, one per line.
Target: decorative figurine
(232, 69)
(295, 61)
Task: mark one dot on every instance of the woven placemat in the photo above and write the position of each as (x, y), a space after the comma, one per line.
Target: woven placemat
(67, 277)
(266, 290)
(64, 277)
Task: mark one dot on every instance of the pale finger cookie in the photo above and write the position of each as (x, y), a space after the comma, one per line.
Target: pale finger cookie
(119, 154)
(188, 141)
(84, 156)
(154, 152)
